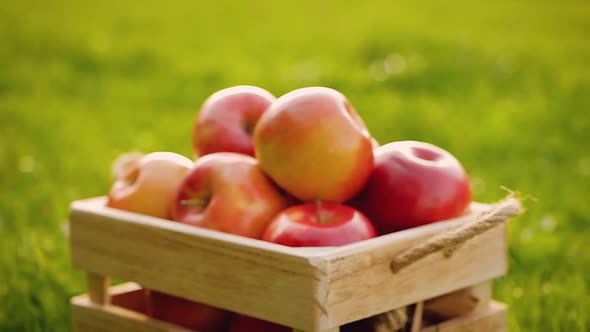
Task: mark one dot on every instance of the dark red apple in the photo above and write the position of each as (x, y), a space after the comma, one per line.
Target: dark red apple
(189, 314)
(228, 192)
(243, 323)
(412, 184)
(319, 225)
(227, 119)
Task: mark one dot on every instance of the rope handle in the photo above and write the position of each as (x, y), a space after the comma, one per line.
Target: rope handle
(451, 240)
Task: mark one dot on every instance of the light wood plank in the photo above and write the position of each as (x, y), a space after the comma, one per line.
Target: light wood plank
(98, 286)
(91, 317)
(243, 275)
(312, 289)
(112, 291)
(459, 303)
(361, 283)
(123, 288)
(417, 319)
(492, 319)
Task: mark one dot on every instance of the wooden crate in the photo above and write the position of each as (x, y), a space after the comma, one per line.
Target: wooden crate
(309, 289)
(126, 312)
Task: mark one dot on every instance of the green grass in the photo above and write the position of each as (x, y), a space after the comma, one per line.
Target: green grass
(505, 86)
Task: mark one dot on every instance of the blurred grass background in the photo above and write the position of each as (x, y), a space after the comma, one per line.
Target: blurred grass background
(503, 85)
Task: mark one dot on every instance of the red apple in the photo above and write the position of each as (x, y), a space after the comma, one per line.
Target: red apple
(227, 119)
(314, 145)
(412, 184)
(147, 184)
(228, 192)
(189, 314)
(363, 325)
(319, 225)
(242, 323)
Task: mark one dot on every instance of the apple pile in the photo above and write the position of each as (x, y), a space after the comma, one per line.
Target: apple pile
(300, 170)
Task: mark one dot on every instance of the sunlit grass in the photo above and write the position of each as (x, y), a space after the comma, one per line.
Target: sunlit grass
(505, 86)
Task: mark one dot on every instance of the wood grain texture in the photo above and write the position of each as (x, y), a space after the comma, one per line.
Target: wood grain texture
(243, 275)
(491, 319)
(98, 286)
(90, 317)
(310, 289)
(360, 283)
(417, 319)
(459, 303)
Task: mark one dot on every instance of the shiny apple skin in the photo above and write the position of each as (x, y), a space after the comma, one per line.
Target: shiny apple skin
(226, 121)
(240, 199)
(313, 144)
(413, 184)
(189, 314)
(148, 185)
(334, 225)
(243, 323)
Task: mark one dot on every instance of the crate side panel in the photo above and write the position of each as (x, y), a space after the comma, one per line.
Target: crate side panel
(274, 286)
(363, 285)
(88, 317)
(459, 303)
(492, 319)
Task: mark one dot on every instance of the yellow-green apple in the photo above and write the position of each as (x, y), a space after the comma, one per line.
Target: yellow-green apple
(320, 224)
(227, 119)
(413, 183)
(314, 145)
(189, 314)
(147, 184)
(228, 192)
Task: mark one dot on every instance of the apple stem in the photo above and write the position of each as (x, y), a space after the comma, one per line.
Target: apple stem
(249, 127)
(193, 202)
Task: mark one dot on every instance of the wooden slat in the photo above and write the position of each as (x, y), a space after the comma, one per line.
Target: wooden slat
(248, 276)
(98, 286)
(91, 317)
(459, 303)
(361, 284)
(417, 319)
(492, 319)
(122, 289)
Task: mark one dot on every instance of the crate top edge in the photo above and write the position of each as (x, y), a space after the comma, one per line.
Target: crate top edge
(97, 206)
(476, 208)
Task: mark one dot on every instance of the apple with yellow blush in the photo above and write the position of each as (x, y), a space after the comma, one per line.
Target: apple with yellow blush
(147, 184)
(314, 145)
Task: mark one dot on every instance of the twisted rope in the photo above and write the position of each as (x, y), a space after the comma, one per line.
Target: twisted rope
(450, 241)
